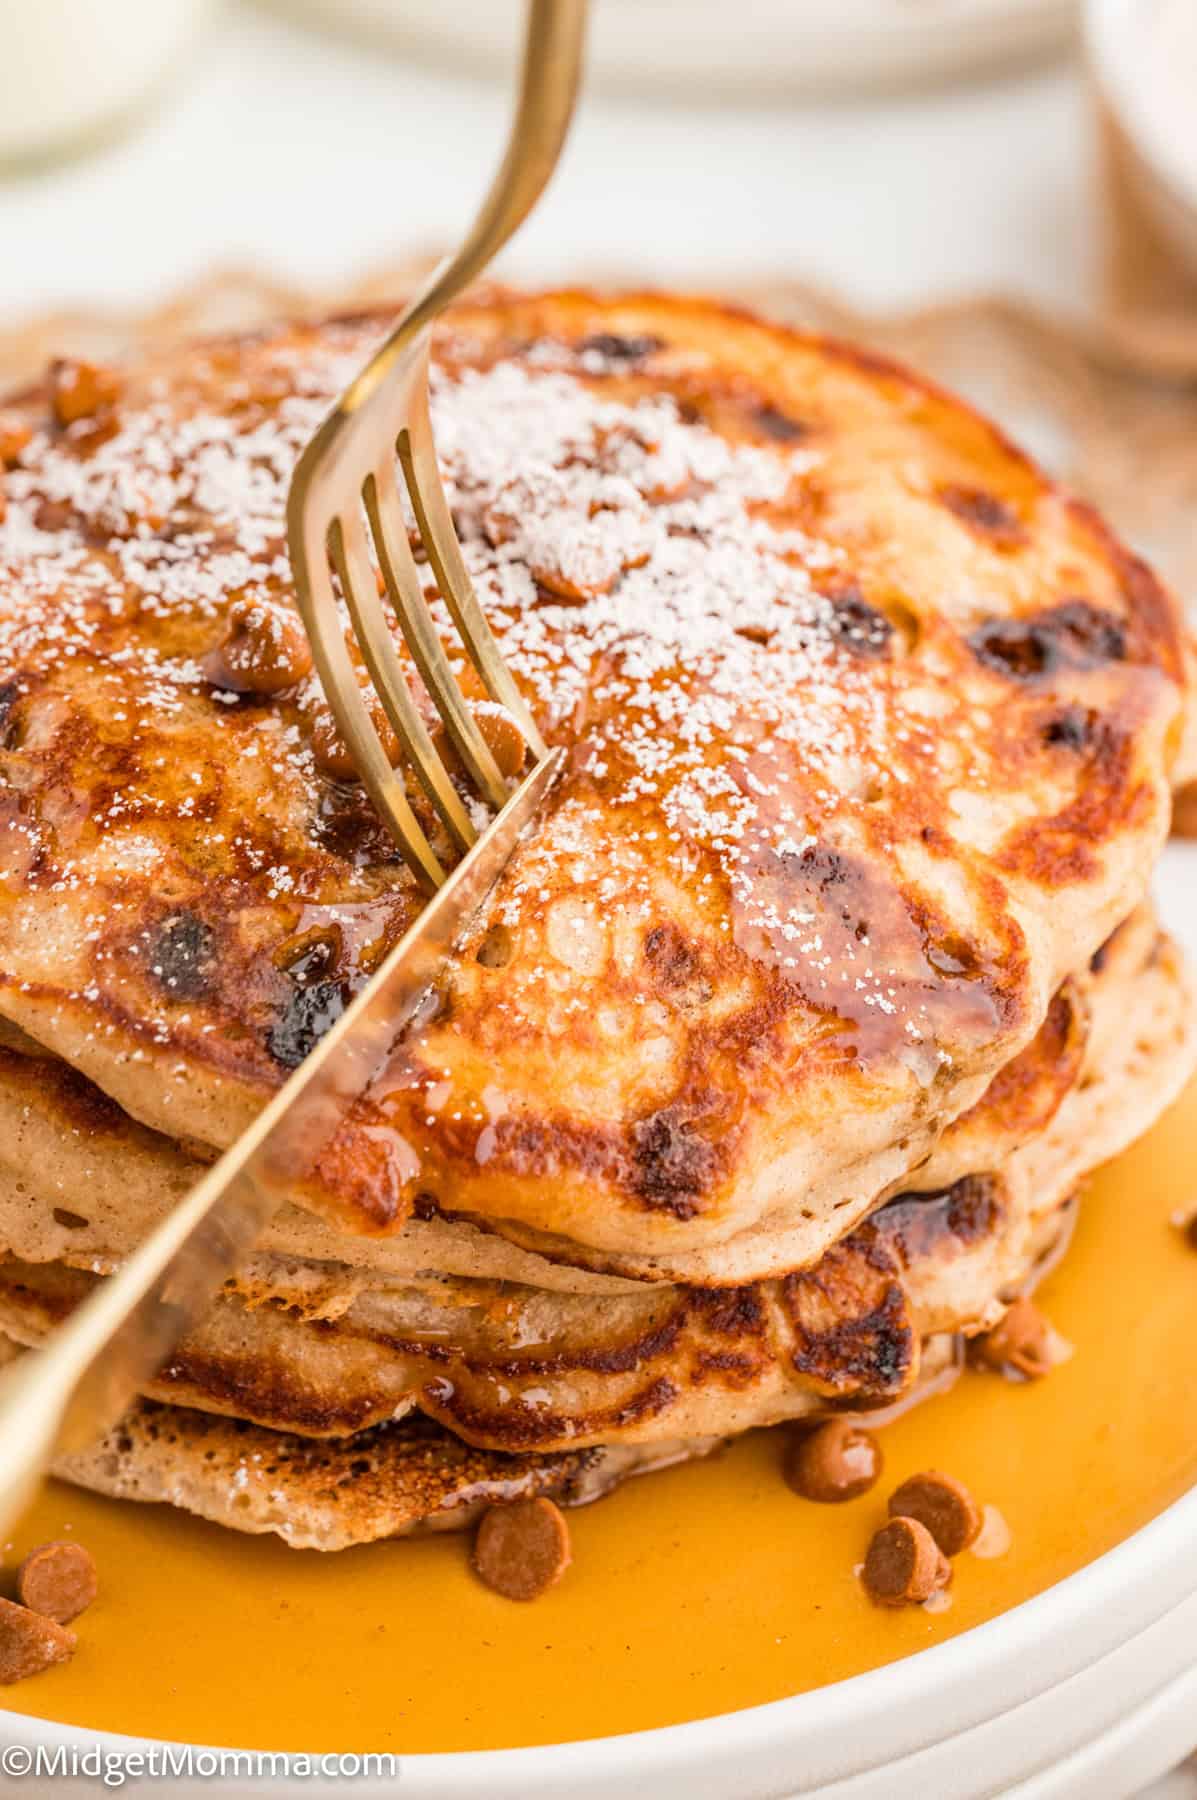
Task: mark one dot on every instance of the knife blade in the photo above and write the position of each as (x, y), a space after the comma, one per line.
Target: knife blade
(68, 1392)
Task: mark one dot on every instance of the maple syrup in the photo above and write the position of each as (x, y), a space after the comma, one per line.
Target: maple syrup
(695, 1591)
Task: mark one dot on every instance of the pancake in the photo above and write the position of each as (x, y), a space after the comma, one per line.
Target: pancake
(511, 1368)
(103, 1181)
(81, 1180)
(870, 732)
(396, 1481)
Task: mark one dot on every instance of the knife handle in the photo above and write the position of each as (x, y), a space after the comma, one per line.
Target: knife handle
(69, 1390)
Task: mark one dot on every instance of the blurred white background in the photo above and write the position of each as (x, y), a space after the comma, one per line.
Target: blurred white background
(316, 157)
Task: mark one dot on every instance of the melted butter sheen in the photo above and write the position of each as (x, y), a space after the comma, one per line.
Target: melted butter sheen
(200, 1634)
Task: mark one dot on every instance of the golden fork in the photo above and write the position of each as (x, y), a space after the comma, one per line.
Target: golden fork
(346, 478)
(65, 1394)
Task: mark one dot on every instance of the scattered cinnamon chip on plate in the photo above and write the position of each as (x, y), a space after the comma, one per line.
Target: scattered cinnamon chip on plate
(941, 1503)
(58, 1580)
(523, 1549)
(30, 1643)
(904, 1565)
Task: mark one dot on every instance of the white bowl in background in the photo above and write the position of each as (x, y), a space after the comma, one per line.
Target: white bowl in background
(70, 67)
(809, 47)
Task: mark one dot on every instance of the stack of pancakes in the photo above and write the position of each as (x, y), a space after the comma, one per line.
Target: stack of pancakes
(774, 1061)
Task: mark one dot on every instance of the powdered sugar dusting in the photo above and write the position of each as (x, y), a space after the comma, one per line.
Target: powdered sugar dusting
(651, 587)
(630, 563)
(654, 596)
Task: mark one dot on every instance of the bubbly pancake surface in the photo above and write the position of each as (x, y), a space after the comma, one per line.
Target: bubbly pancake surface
(869, 733)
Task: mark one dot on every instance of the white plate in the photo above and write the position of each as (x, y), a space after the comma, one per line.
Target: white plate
(1088, 1692)
(813, 47)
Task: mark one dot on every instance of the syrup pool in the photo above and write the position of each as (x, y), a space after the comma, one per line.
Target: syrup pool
(695, 1591)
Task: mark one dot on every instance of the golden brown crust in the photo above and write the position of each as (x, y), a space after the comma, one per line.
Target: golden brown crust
(869, 730)
(513, 1368)
(394, 1481)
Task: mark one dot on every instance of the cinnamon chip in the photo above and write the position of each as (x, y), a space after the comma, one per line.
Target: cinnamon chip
(14, 435)
(29, 1643)
(904, 1565)
(80, 390)
(836, 1461)
(500, 733)
(265, 652)
(944, 1505)
(1184, 812)
(331, 753)
(329, 749)
(58, 1580)
(1021, 1343)
(523, 1549)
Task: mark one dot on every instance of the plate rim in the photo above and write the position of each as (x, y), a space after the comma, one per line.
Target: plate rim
(1048, 1639)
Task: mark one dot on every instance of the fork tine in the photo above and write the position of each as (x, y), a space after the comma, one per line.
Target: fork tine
(351, 558)
(349, 462)
(318, 606)
(406, 593)
(417, 457)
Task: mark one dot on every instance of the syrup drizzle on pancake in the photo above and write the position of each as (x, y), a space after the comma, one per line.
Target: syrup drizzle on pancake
(823, 847)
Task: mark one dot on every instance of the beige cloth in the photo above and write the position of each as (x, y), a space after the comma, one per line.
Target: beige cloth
(1148, 297)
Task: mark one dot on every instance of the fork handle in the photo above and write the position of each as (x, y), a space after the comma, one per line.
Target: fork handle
(552, 65)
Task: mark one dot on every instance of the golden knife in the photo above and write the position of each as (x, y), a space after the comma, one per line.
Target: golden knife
(68, 1392)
